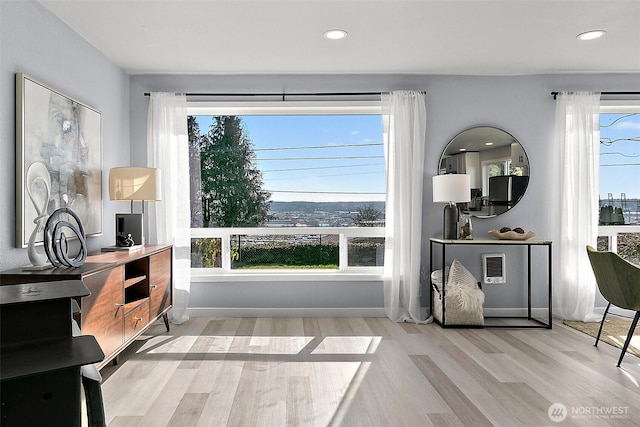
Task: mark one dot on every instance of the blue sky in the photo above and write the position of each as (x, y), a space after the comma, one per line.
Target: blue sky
(620, 160)
(290, 173)
(358, 140)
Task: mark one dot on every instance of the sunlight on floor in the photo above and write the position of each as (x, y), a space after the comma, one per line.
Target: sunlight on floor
(265, 345)
(347, 345)
(318, 376)
(620, 339)
(630, 377)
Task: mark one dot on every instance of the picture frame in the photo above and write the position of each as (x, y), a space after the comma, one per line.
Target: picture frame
(58, 160)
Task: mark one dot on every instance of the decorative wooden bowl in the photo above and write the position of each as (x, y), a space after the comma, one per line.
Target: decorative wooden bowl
(511, 235)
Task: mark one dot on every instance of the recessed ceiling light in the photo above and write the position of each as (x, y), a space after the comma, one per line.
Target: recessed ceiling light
(591, 35)
(488, 143)
(335, 34)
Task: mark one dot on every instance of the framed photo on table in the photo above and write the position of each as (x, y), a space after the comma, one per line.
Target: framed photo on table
(58, 160)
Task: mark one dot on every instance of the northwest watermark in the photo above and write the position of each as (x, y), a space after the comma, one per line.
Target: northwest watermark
(558, 412)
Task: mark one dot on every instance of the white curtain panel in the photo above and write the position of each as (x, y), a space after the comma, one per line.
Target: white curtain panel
(169, 219)
(575, 207)
(404, 115)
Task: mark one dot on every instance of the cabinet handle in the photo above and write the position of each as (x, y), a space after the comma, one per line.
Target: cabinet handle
(138, 319)
(154, 286)
(119, 304)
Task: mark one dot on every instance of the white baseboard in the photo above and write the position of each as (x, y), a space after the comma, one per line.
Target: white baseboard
(364, 312)
(515, 312)
(617, 311)
(337, 312)
(287, 312)
(543, 313)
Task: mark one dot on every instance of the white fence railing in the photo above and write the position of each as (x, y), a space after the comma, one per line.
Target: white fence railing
(612, 231)
(344, 233)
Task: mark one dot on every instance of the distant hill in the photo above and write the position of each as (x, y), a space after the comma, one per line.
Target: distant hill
(310, 207)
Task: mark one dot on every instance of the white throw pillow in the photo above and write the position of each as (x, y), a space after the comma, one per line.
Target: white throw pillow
(464, 299)
(460, 275)
(469, 299)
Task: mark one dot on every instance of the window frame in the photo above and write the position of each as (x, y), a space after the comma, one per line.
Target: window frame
(612, 231)
(344, 271)
(484, 165)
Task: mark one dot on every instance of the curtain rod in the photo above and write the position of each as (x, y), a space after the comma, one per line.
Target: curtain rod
(283, 95)
(555, 94)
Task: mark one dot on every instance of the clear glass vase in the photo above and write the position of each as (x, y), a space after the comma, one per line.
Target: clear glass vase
(465, 228)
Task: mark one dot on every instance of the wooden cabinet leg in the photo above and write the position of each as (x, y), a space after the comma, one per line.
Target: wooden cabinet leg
(165, 317)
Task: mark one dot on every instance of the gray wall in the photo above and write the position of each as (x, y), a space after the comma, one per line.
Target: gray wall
(35, 42)
(521, 105)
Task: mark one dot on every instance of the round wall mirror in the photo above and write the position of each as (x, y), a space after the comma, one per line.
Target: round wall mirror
(497, 164)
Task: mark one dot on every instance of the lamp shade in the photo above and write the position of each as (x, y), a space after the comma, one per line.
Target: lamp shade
(132, 183)
(452, 188)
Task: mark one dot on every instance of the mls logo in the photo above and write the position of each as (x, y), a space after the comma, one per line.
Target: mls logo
(557, 412)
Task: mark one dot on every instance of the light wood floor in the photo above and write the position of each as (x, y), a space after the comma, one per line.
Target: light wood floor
(367, 372)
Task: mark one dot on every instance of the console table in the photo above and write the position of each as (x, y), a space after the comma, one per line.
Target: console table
(535, 323)
(128, 292)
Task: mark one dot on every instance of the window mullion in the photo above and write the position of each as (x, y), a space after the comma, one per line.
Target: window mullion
(226, 251)
(343, 252)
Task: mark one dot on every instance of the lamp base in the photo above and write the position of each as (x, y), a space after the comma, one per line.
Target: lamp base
(130, 224)
(450, 222)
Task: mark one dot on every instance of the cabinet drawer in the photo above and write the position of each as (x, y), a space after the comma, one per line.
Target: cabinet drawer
(136, 319)
(103, 310)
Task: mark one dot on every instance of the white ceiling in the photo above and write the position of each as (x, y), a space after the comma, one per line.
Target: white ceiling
(473, 37)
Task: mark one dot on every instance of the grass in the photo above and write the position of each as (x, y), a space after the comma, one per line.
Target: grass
(285, 267)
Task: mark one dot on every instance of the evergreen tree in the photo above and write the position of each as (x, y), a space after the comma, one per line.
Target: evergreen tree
(232, 193)
(195, 182)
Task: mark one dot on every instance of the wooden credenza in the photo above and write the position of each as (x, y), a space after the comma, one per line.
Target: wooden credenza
(129, 291)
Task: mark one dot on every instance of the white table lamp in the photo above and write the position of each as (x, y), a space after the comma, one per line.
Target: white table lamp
(451, 189)
(134, 184)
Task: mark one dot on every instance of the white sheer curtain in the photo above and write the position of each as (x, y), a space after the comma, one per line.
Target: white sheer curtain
(169, 219)
(575, 207)
(405, 117)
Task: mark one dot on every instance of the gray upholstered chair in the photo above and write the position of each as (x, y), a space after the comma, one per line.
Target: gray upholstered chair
(619, 283)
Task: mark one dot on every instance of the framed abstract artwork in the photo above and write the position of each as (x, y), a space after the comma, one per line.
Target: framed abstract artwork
(58, 160)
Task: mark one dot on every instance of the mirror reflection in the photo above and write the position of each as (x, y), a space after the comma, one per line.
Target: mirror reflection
(497, 164)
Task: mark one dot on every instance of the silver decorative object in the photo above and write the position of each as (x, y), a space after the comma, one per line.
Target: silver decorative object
(39, 189)
(55, 241)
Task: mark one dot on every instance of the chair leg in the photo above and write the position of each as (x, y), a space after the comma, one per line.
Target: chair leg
(95, 408)
(606, 310)
(629, 336)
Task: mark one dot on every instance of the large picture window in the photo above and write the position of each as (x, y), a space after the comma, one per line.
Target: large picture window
(284, 187)
(619, 218)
